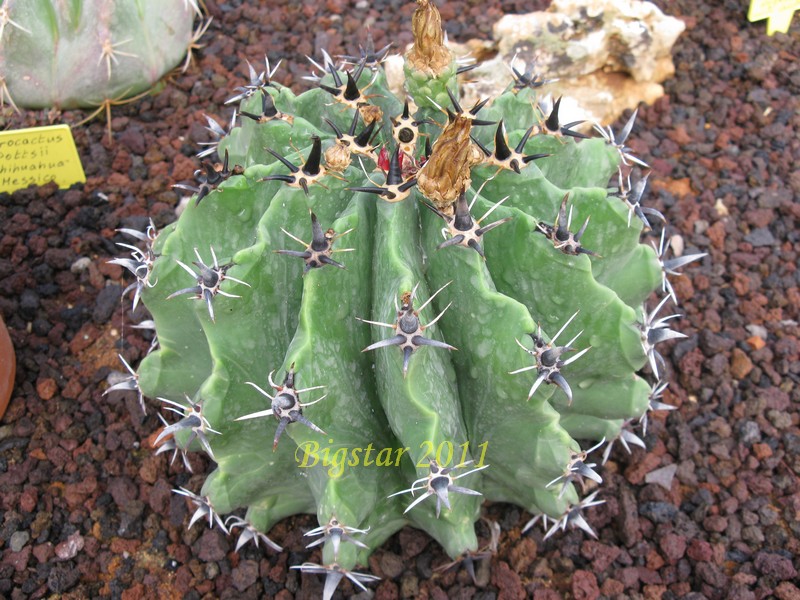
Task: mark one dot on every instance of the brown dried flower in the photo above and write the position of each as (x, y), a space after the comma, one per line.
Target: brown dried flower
(429, 54)
(446, 174)
(371, 113)
(337, 157)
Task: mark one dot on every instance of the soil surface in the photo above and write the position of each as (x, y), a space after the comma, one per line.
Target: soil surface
(709, 510)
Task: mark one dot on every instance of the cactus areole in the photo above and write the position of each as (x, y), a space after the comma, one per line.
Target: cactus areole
(452, 311)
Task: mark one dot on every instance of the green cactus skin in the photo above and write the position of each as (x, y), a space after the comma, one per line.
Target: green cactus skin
(374, 429)
(81, 53)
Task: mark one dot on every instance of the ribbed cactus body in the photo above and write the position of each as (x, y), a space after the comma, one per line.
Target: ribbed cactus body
(79, 53)
(413, 357)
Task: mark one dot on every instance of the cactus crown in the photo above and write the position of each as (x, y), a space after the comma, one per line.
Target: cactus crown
(455, 359)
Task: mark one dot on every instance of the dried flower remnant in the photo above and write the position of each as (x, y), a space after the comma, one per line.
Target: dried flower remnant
(338, 156)
(429, 54)
(446, 174)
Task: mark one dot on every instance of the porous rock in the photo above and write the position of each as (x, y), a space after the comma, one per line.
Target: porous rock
(607, 55)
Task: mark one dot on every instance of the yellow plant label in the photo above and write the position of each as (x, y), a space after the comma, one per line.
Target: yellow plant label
(38, 156)
(778, 13)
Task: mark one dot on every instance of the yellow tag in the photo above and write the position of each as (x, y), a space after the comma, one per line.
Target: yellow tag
(37, 156)
(778, 13)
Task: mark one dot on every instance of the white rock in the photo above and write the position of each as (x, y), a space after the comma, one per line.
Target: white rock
(757, 330)
(70, 547)
(662, 476)
(607, 55)
(80, 265)
(578, 37)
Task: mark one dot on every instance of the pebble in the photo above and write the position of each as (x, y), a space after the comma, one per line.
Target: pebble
(507, 581)
(787, 591)
(6, 431)
(123, 491)
(699, 550)
(753, 535)
(760, 237)
(43, 552)
(715, 523)
(601, 555)
(108, 300)
(658, 512)
(628, 518)
(391, 565)
(244, 575)
(212, 546)
(80, 265)
(70, 547)
(584, 585)
(776, 565)
(689, 446)
(409, 586)
(712, 575)
(712, 344)
(412, 542)
(741, 365)
(211, 569)
(28, 304)
(749, 433)
(46, 388)
(673, 546)
(62, 578)
(18, 540)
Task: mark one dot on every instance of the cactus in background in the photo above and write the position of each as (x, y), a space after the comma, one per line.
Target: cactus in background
(76, 54)
(402, 308)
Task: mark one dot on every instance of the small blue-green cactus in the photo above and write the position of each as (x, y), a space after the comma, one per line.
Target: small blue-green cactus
(78, 54)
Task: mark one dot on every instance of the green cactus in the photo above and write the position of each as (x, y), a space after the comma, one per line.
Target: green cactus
(76, 54)
(364, 349)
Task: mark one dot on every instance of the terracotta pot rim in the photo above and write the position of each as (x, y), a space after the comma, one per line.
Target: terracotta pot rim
(8, 364)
